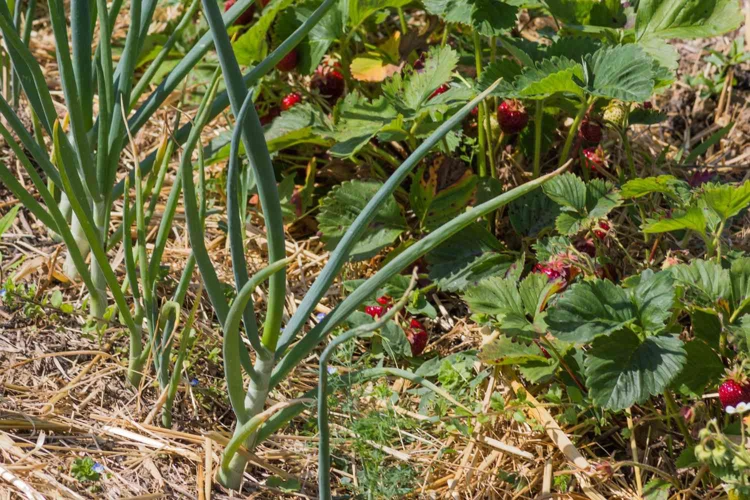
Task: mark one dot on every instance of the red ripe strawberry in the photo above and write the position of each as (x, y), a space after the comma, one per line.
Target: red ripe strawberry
(648, 105)
(329, 82)
(288, 62)
(731, 393)
(374, 311)
(244, 18)
(590, 131)
(290, 101)
(552, 274)
(416, 324)
(512, 117)
(440, 90)
(384, 300)
(418, 340)
(601, 233)
(593, 158)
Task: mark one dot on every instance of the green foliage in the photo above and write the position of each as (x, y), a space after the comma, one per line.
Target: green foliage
(582, 204)
(467, 258)
(85, 469)
(488, 17)
(607, 13)
(344, 203)
(686, 18)
(7, 220)
(628, 370)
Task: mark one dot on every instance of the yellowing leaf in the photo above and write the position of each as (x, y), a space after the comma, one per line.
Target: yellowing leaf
(372, 69)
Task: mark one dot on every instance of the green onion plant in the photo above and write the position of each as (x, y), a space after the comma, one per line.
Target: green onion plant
(82, 167)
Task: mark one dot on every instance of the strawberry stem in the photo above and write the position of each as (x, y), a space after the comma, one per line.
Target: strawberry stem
(538, 116)
(585, 105)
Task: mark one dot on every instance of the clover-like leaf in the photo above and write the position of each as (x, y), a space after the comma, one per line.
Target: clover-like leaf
(622, 72)
(359, 10)
(601, 198)
(623, 370)
(588, 310)
(344, 203)
(582, 203)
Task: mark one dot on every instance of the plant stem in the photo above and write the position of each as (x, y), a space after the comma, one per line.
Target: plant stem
(634, 453)
(99, 302)
(628, 153)
(674, 412)
(717, 241)
(402, 21)
(574, 129)
(482, 111)
(538, 116)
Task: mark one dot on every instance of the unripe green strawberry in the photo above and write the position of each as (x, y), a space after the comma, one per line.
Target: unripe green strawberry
(615, 113)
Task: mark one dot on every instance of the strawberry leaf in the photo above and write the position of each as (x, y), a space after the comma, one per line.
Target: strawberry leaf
(622, 72)
(653, 299)
(590, 309)
(467, 258)
(727, 200)
(623, 369)
(705, 281)
(359, 10)
(505, 351)
(666, 184)
(549, 247)
(582, 204)
(557, 75)
(441, 190)
(358, 121)
(252, 46)
(410, 91)
(505, 69)
(607, 13)
(344, 203)
(312, 49)
(489, 17)
(531, 214)
(693, 382)
(693, 219)
(567, 190)
(665, 19)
